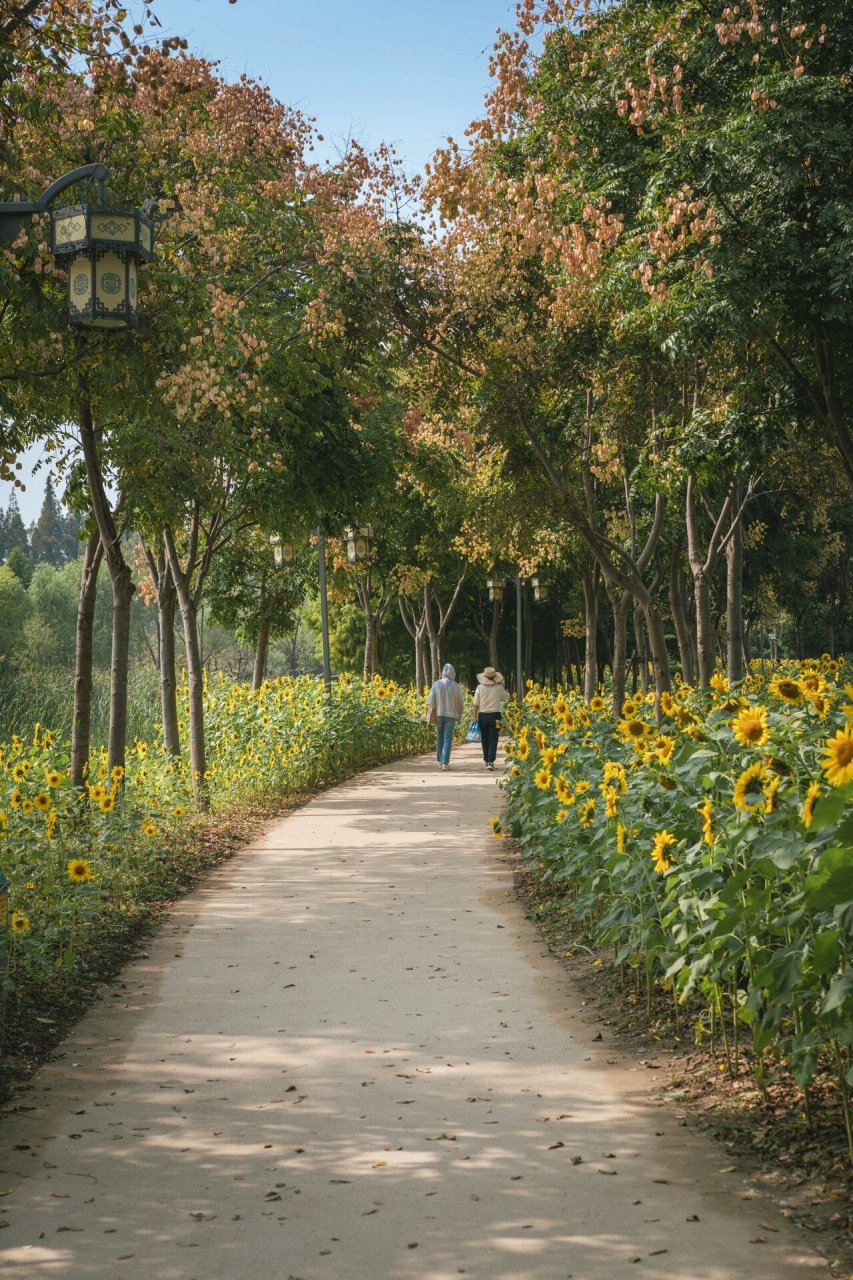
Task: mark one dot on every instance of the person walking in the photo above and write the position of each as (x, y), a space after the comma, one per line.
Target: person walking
(447, 699)
(488, 701)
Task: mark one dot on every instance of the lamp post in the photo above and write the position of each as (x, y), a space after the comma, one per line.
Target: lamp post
(285, 558)
(101, 247)
(540, 594)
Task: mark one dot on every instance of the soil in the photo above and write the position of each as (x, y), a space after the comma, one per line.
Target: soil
(805, 1168)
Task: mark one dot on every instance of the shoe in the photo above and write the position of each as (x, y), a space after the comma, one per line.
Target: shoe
(490, 765)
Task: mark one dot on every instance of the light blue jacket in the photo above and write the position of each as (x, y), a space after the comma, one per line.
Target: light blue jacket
(446, 695)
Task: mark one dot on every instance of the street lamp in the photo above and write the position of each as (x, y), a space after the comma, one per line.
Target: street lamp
(101, 245)
(285, 558)
(496, 588)
(359, 542)
(284, 553)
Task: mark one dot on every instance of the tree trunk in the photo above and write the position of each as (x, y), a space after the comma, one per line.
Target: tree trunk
(590, 579)
(123, 589)
(641, 649)
(371, 641)
(195, 673)
(734, 606)
(620, 603)
(660, 656)
(82, 725)
(261, 651)
(120, 578)
(166, 604)
(679, 617)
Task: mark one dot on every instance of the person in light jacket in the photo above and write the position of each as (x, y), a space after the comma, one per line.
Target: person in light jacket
(488, 701)
(447, 698)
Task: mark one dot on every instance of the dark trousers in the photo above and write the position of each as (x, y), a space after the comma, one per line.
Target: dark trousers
(489, 722)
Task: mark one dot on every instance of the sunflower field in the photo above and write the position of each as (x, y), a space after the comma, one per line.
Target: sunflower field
(712, 851)
(79, 864)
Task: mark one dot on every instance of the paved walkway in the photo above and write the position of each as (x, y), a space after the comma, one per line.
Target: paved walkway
(347, 1057)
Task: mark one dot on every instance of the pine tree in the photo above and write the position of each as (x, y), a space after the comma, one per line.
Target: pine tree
(49, 539)
(14, 529)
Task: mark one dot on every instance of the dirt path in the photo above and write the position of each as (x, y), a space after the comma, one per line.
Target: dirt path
(348, 1057)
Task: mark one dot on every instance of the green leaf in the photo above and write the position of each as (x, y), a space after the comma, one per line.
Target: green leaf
(826, 951)
(829, 809)
(842, 987)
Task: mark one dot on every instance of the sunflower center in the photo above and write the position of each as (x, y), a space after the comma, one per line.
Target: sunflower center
(844, 754)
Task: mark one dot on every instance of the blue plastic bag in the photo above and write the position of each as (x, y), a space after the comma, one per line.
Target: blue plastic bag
(473, 734)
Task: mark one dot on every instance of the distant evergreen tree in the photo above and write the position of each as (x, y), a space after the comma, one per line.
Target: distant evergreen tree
(48, 543)
(72, 545)
(14, 530)
(19, 562)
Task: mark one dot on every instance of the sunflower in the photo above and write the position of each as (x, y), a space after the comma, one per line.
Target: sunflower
(719, 682)
(582, 787)
(42, 802)
(706, 809)
(79, 870)
(771, 790)
(597, 703)
(560, 816)
(523, 750)
(744, 795)
(611, 797)
(838, 758)
(615, 772)
(27, 806)
(564, 791)
(750, 727)
(19, 772)
(497, 828)
(53, 778)
(178, 811)
(19, 922)
(549, 755)
(542, 778)
(15, 799)
(807, 815)
(788, 689)
(664, 747)
(96, 794)
(108, 804)
(663, 840)
(117, 773)
(149, 828)
(587, 813)
(620, 838)
(634, 729)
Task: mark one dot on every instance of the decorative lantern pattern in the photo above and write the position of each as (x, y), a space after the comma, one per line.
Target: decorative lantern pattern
(284, 552)
(540, 589)
(103, 247)
(496, 588)
(358, 544)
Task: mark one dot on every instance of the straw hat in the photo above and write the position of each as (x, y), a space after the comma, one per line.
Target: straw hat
(489, 676)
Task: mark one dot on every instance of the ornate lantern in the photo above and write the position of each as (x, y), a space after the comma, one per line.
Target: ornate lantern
(284, 552)
(103, 247)
(540, 589)
(496, 588)
(359, 544)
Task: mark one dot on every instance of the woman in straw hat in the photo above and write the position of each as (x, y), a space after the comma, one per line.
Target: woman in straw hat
(488, 701)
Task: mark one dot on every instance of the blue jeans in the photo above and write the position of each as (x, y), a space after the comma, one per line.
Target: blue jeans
(489, 722)
(444, 726)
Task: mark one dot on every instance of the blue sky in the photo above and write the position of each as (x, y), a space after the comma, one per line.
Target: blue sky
(386, 70)
(380, 70)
